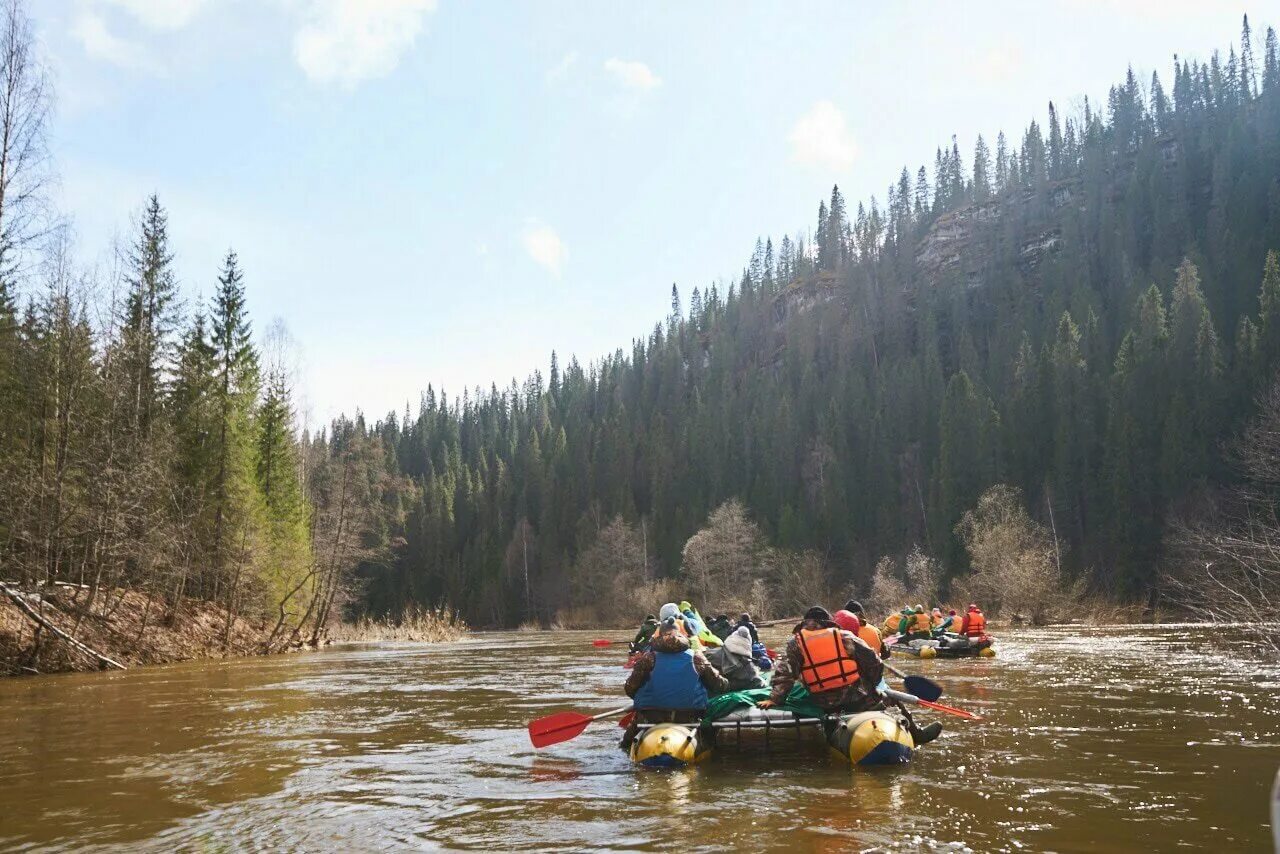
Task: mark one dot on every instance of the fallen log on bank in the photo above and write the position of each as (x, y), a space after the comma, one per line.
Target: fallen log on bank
(16, 597)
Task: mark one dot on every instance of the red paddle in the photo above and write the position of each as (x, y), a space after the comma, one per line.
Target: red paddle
(626, 719)
(950, 710)
(911, 698)
(563, 726)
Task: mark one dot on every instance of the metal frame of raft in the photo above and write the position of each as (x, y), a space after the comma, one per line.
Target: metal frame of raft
(865, 738)
(795, 723)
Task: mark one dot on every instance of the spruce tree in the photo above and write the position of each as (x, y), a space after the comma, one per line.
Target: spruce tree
(148, 322)
(233, 505)
(981, 171)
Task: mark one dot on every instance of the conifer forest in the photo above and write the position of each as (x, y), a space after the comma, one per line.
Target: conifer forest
(1086, 310)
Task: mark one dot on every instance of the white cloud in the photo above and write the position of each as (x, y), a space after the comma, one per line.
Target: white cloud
(544, 246)
(822, 138)
(161, 14)
(634, 75)
(561, 69)
(348, 41)
(90, 30)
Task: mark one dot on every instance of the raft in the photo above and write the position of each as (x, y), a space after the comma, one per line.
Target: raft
(949, 646)
(864, 739)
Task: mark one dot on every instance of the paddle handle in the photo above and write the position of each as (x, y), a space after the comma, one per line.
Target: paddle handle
(611, 713)
(895, 671)
(903, 697)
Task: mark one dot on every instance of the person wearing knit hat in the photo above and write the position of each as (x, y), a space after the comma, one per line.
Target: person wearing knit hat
(744, 620)
(734, 661)
(671, 681)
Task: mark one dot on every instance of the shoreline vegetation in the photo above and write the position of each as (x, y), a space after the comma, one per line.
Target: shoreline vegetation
(1042, 378)
(120, 629)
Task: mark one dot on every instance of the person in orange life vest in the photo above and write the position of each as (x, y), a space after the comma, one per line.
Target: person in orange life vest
(975, 624)
(916, 625)
(839, 669)
(671, 682)
(936, 618)
(869, 634)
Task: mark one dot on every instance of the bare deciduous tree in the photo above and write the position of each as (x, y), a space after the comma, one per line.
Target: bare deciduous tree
(1014, 558)
(1225, 556)
(25, 167)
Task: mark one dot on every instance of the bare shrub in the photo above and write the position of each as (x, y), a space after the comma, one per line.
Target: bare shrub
(888, 591)
(923, 577)
(1015, 565)
(614, 562)
(894, 585)
(1224, 558)
(800, 579)
(721, 561)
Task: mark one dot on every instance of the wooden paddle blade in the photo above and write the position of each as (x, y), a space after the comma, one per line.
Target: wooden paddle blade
(626, 720)
(556, 728)
(951, 710)
(601, 642)
(922, 687)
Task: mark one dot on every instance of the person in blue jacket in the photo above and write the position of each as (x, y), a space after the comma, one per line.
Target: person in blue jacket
(671, 682)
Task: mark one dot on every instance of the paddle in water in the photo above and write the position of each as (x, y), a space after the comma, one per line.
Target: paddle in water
(920, 686)
(563, 726)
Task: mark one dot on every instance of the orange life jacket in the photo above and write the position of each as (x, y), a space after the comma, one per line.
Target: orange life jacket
(975, 624)
(921, 623)
(827, 665)
(891, 624)
(871, 637)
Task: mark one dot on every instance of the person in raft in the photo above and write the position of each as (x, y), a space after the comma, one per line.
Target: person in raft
(840, 671)
(744, 622)
(916, 625)
(721, 626)
(975, 624)
(647, 628)
(671, 683)
(869, 634)
(734, 661)
(671, 611)
(953, 623)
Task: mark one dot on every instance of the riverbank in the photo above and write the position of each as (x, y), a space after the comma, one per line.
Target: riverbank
(130, 628)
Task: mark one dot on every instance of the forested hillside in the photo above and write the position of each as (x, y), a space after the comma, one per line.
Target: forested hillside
(1084, 310)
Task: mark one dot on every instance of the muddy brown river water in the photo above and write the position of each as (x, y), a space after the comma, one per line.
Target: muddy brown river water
(1125, 739)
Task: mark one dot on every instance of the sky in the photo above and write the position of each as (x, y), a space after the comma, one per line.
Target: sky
(438, 191)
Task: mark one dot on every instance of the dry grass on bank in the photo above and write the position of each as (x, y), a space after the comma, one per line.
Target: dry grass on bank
(418, 625)
(127, 626)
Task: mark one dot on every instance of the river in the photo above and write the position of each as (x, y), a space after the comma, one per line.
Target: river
(1102, 740)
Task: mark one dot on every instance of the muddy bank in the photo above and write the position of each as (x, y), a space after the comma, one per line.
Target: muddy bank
(125, 626)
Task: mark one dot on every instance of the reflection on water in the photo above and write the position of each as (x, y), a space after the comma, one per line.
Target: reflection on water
(1110, 741)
